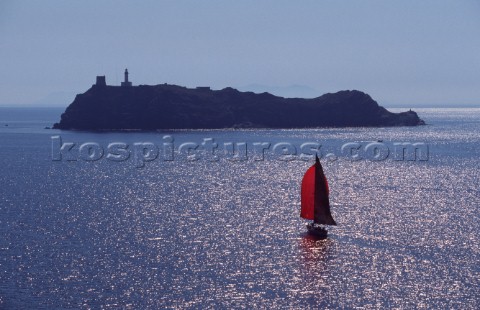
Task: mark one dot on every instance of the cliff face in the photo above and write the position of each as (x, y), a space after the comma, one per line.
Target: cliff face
(173, 107)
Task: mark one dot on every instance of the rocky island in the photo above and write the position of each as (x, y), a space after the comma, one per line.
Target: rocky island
(165, 106)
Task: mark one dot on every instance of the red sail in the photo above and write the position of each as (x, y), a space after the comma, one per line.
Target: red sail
(308, 194)
(314, 196)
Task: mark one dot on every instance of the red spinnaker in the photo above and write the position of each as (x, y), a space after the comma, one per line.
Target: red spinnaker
(308, 194)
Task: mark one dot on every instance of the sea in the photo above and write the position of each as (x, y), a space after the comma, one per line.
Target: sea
(210, 218)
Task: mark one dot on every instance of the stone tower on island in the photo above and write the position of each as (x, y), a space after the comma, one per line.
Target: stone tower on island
(100, 81)
(126, 83)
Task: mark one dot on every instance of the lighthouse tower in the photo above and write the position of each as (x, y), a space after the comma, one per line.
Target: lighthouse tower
(126, 83)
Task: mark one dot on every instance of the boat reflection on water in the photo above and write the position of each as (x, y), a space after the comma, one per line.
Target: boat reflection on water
(316, 258)
(315, 249)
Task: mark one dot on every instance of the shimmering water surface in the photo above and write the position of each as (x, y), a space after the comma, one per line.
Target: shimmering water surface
(227, 234)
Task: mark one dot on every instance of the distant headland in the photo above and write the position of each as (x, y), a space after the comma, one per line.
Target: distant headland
(165, 106)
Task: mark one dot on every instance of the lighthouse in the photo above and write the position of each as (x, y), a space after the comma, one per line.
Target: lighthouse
(126, 83)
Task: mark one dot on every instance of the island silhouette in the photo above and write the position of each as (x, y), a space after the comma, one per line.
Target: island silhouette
(166, 106)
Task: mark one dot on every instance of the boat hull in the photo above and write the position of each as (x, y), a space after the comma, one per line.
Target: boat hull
(317, 231)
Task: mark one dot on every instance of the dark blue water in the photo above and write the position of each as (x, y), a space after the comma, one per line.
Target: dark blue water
(226, 233)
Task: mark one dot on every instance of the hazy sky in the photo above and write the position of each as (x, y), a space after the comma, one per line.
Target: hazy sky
(400, 52)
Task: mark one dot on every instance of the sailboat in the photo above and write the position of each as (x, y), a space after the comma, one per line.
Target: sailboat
(315, 204)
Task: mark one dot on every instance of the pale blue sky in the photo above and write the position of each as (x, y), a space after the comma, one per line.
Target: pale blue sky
(400, 52)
